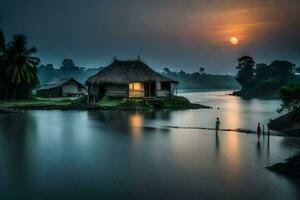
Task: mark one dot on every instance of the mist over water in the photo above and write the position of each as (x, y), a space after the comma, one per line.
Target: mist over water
(131, 155)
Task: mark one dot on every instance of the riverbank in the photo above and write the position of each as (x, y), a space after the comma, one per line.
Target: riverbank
(288, 124)
(290, 168)
(176, 102)
(246, 95)
(104, 104)
(4, 111)
(45, 104)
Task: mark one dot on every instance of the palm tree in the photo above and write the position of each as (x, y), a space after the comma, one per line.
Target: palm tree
(2, 64)
(2, 43)
(22, 66)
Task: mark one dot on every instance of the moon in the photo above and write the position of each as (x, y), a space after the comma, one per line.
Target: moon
(234, 40)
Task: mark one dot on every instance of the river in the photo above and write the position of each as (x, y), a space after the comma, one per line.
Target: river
(132, 155)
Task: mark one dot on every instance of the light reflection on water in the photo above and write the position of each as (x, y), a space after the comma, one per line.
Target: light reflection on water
(130, 155)
(136, 123)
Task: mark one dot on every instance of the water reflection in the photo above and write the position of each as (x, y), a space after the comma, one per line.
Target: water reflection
(17, 136)
(217, 144)
(231, 159)
(234, 112)
(258, 148)
(136, 123)
(232, 118)
(131, 155)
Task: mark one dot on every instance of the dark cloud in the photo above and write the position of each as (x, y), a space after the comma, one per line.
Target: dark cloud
(173, 33)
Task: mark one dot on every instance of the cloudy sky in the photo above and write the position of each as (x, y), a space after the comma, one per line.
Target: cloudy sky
(165, 33)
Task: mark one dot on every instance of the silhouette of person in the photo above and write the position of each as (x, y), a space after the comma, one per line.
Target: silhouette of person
(258, 130)
(218, 124)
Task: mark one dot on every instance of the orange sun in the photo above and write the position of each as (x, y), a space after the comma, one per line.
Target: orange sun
(234, 40)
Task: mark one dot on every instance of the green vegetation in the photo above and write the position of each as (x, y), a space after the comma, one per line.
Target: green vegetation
(66, 70)
(179, 103)
(42, 102)
(289, 122)
(35, 102)
(290, 96)
(105, 103)
(149, 104)
(18, 68)
(201, 80)
(197, 80)
(262, 80)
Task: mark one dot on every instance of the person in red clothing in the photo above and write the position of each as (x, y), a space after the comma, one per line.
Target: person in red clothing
(258, 130)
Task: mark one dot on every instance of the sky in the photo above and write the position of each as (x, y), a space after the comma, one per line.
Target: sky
(180, 35)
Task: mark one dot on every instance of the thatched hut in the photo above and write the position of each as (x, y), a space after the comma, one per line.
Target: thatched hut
(64, 87)
(129, 79)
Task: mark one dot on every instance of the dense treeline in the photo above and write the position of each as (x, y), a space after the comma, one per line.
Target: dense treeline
(197, 80)
(264, 80)
(290, 96)
(68, 70)
(201, 80)
(18, 68)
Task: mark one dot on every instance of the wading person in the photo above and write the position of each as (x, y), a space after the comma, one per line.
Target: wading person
(258, 130)
(218, 124)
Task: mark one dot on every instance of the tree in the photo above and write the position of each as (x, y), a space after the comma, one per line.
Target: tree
(201, 70)
(297, 70)
(262, 72)
(245, 74)
(67, 64)
(282, 69)
(181, 73)
(47, 73)
(22, 66)
(167, 70)
(290, 96)
(2, 43)
(70, 70)
(2, 64)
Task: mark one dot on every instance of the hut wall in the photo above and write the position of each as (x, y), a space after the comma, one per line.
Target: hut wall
(158, 85)
(54, 92)
(93, 89)
(116, 90)
(163, 93)
(70, 89)
(163, 89)
(136, 93)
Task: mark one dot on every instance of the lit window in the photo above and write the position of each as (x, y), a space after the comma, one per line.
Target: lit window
(130, 86)
(136, 86)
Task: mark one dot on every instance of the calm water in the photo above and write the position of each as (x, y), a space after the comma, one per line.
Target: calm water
(130, 155)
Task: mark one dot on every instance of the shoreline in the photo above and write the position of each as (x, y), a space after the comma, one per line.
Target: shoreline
(174, 103)
(290, 168)
(89, 107)
(238, 130)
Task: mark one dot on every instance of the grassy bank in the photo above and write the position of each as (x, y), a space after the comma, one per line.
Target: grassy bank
(175, 102)
(291, 167)
(104, 104)
(44, 103)
(35, 102)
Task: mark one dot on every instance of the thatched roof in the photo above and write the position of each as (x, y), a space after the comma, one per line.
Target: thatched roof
(124, 72)
(55, 83)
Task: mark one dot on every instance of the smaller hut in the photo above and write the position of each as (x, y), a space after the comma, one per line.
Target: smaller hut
(129, 79)
(66, 87)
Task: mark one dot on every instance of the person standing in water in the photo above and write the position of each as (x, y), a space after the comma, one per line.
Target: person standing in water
(258, 130)
(218, 124)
